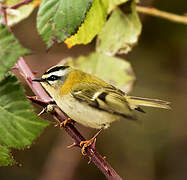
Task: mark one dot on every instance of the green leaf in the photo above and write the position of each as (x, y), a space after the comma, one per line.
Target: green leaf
(121, 31)
(115, 71)
(114, 3)
(59, 19)
(95, 19)
(14, 16)
(10, 50)
(5, 156)
(19, 125)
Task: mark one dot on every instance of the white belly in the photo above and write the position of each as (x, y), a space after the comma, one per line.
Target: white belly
(84, 114)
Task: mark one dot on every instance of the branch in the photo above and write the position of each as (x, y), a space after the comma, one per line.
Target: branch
(28, 76)
(16, 6)
(4, 15)
(162, 14)
(3, 9)
(43, 99)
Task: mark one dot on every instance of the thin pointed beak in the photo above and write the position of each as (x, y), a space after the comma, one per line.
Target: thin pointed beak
(39, 80)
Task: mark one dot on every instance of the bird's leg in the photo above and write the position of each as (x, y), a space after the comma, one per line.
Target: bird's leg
(66, 120)
(87, 143)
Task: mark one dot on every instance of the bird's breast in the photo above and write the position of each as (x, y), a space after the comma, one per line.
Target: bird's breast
(84, 114)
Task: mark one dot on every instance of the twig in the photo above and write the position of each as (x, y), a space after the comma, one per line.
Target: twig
(20, 4)
(162, 14)
(3, 9)
(28, 76)
(43, 100)
(4, 15)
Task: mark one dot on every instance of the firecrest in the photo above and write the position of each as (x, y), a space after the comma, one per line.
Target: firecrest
(91, 101)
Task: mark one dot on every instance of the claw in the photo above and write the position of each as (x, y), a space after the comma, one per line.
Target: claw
(64, 123)
(89, 159)
(87, 143)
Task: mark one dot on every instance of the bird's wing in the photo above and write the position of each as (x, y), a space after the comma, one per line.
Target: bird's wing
(107, 98)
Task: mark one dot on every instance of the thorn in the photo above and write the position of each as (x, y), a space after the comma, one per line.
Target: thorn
(73, 145)
(43, 111)
(39, 101)
(31, 97)
(93, 144)
(108, 171)
(89, 159)
(14, 67)
(29, 79)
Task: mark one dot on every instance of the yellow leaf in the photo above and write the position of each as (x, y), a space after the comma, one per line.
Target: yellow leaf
(95, 19)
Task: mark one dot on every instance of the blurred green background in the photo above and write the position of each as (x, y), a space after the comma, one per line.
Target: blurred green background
(156, 149)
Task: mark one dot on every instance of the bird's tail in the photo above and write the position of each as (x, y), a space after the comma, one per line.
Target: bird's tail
(135, 102)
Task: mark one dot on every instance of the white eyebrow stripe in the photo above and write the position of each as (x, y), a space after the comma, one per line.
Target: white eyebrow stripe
(56, 73)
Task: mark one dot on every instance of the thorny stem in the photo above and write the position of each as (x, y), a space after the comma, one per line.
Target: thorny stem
(162, 14)
(4, 15)
(44, 99)
(16, 6)
(28, 76)
(20, 4)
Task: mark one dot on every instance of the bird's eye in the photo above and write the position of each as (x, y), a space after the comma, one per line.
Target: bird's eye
(53, 78)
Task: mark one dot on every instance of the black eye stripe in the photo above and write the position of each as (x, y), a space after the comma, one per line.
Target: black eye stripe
(56, 68)
(53, 78)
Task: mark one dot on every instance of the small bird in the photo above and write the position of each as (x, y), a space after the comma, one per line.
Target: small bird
(90, 100)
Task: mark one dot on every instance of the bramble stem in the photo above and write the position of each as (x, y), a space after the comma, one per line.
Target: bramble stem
(16, 6)
(162, 14)
(43, 99)
(20, 4)
(28, 76)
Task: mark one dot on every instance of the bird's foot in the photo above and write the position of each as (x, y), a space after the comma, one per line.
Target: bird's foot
(87, 143)
(65, 122)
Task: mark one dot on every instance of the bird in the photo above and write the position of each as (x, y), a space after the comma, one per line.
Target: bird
(90, 100)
